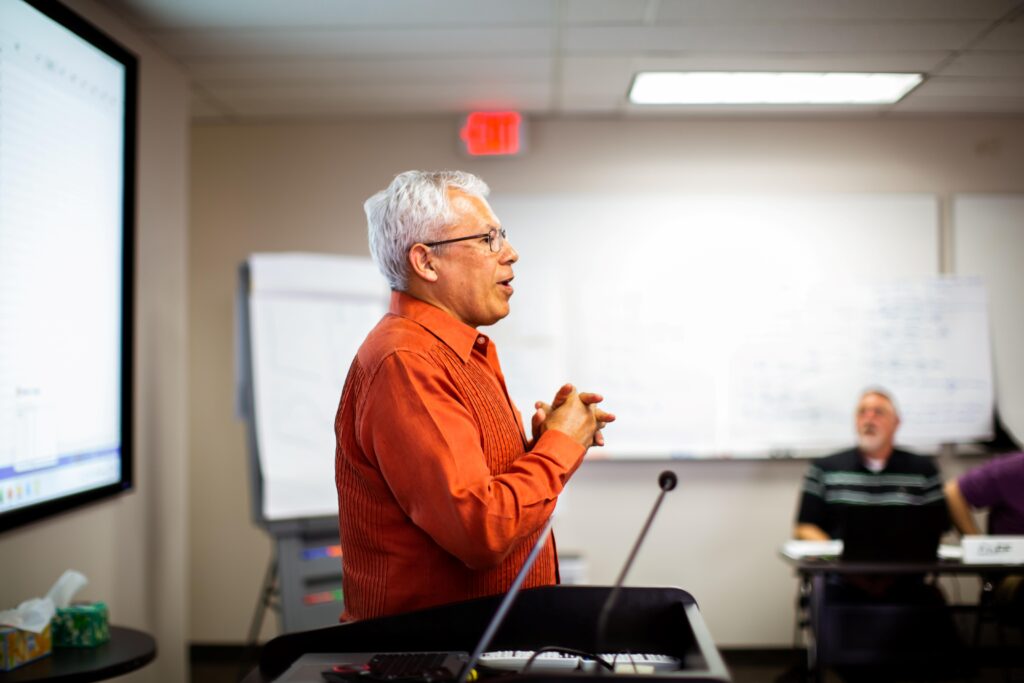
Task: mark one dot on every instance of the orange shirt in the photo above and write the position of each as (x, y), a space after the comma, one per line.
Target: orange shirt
(439, 499)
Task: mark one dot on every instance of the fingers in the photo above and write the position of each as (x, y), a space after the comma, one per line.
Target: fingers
(583, 420)
(563, 393)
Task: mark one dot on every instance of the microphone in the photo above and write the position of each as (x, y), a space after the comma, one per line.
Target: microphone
(667, 481)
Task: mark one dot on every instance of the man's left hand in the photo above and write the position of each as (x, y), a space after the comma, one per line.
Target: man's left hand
(542, 410)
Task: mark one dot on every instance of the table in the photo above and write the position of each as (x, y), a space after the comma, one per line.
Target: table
(127, 650)
(815, 571)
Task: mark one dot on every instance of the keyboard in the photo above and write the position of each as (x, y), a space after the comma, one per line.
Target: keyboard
(418, 666)
(515, 660)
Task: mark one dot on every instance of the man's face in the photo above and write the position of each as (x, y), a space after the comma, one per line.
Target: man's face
(475, 282)
(876, 423)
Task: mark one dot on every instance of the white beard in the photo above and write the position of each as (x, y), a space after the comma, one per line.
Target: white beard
(870, 443)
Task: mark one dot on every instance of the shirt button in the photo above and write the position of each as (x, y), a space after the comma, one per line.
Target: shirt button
(481, 340)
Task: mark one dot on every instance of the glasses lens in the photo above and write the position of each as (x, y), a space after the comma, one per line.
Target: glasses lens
(497, 239)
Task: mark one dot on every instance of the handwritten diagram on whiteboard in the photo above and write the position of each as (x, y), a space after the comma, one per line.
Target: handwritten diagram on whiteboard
(721, 326)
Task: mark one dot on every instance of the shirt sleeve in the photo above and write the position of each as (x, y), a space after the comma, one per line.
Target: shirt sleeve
(812, 500)
(427, 445)
(980, 486)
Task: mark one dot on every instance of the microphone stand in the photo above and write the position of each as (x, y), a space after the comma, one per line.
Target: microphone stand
(667, 481)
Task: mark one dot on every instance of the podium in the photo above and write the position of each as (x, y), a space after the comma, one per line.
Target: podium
(644, 620)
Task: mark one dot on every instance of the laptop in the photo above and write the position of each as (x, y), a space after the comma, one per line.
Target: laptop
(399, 667)
(892, 533)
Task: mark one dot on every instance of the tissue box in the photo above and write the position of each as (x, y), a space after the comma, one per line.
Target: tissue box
(81, 625)
(19, 647)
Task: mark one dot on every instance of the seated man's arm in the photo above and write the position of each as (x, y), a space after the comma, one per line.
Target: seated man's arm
(810, 532)
(813, 516)
(959, 509)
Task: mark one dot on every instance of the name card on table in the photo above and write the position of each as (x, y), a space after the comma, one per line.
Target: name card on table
(993, 549)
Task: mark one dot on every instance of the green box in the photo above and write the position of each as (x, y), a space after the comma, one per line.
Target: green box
(81, 625)
(21, 647)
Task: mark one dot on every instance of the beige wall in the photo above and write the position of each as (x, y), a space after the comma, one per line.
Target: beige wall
(301, 187)
(133, 548)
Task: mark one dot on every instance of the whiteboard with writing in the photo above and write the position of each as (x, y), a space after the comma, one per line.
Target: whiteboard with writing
(720, 326)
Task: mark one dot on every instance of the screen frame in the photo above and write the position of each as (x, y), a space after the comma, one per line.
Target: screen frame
(83, 29)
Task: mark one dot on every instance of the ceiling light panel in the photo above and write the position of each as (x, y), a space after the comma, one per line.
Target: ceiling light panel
(709, 88)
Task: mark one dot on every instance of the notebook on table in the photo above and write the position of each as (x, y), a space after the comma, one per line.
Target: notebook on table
(892, 533)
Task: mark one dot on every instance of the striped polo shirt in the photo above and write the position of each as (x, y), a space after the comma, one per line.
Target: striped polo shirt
(841, 480)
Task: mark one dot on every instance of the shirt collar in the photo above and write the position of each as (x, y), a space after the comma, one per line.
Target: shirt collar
(455, 333)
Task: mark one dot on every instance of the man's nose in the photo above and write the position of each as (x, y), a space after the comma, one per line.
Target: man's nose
(509, 255)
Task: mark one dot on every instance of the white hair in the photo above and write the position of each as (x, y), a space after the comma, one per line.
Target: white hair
(414, 208)
(884, 393)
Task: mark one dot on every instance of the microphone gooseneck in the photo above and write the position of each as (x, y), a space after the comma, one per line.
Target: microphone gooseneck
(506, 603)
(667, 481)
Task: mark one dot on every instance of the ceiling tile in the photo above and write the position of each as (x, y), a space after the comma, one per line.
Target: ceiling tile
(795, 61)
(592, 103)
(265, 44)
(580, 72)
(454, 98)
(953, 86)
(745, 11)
(607, 11)
(822, 38)
(960, 105)
(987, 65)
(509, 69)
(331, 13)
(1008, 36)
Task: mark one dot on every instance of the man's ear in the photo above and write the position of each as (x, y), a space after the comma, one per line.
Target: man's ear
(421, 263)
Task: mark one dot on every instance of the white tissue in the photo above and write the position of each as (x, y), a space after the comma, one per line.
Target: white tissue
(34, 614)
(69, 583)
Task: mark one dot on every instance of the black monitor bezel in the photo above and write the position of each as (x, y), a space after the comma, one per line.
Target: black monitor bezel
(85, 30)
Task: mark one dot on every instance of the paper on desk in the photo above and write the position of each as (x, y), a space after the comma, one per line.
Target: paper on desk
(798, 550)
(35, 613)
(950, 552)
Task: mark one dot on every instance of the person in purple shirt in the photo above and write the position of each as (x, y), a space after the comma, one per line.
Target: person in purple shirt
(997, 485)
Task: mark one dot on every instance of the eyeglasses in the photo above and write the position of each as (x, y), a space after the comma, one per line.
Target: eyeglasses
(495, 239)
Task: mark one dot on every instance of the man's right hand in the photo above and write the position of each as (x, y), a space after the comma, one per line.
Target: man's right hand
(574, 414)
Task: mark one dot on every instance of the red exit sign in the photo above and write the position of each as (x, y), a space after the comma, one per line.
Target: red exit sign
(493, 133)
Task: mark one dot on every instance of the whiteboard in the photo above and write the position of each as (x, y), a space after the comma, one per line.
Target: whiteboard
(989, 243)
(721, 326)
(308, 314)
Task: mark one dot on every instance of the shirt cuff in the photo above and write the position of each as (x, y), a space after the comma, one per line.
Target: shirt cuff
(560, 446)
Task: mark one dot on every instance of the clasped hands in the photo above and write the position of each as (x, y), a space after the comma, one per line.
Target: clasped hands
(573, 413)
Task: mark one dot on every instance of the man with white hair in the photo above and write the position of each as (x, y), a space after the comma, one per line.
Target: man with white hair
(441, 494)
(874, 473)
